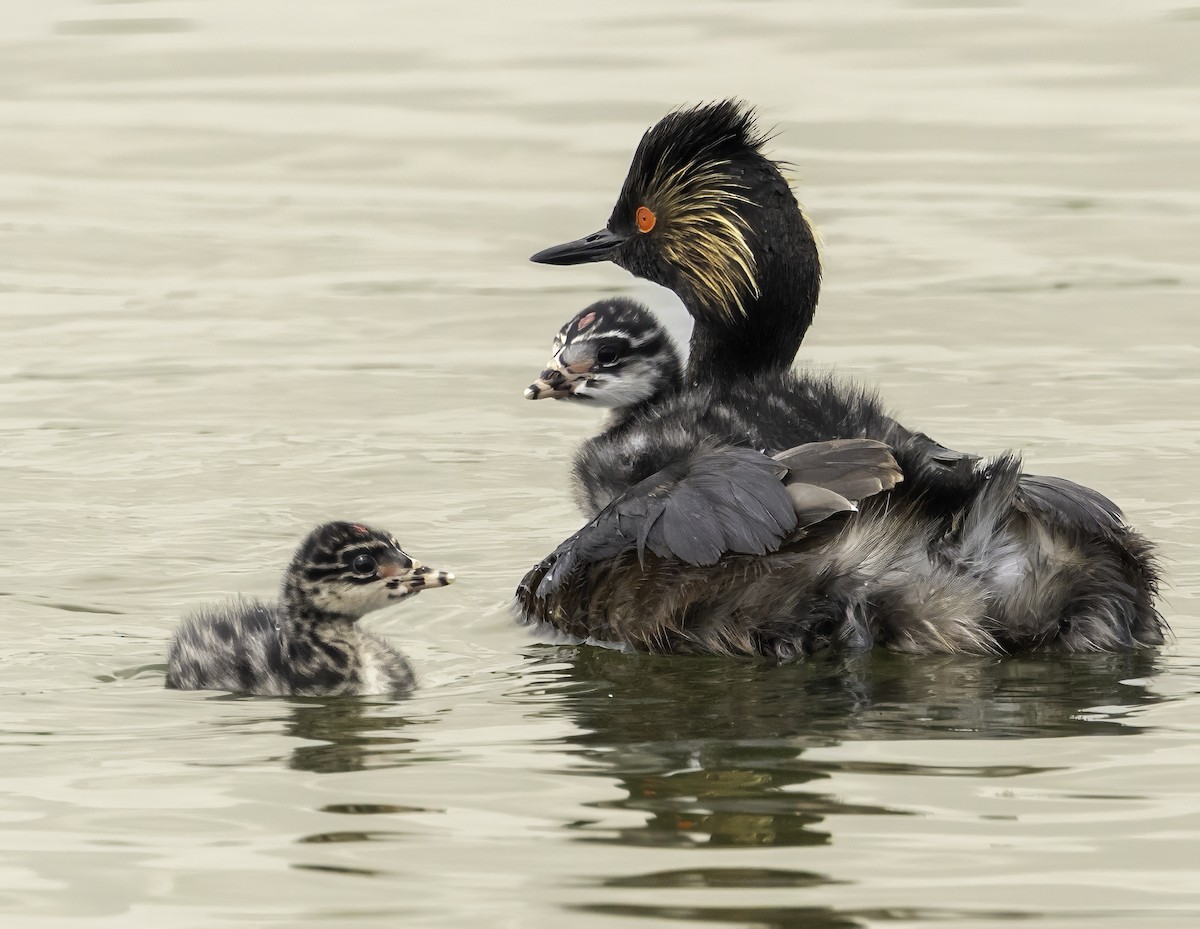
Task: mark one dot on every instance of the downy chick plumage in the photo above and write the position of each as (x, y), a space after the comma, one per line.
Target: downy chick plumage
(308, 643)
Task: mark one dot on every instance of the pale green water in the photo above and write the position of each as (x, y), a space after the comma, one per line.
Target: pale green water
(264, 263)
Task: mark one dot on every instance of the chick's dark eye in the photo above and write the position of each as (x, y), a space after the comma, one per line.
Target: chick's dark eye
(364, 564)
(607, 355)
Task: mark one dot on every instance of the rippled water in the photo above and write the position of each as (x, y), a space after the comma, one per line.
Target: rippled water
(265, 263)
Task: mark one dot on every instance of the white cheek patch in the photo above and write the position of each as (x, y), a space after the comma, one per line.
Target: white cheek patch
(347, 599)
(617, 391)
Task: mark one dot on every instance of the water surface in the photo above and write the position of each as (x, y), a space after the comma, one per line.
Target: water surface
(265, 264)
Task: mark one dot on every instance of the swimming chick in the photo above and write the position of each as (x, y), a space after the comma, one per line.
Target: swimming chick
(309, 643)
(964, 555)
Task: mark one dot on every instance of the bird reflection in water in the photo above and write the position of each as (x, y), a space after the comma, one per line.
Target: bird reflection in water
(799, 917)
(712, 754)
(348, 734)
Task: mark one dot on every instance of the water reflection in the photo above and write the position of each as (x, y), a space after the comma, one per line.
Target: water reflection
(724, 878)
(338, 869)
(628, 699)
(351, 735)
(726, 795)
(800, 917)
(712, 753)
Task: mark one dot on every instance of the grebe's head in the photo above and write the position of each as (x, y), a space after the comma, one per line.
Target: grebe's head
(348, 570)
(612, 354)
(693, 210)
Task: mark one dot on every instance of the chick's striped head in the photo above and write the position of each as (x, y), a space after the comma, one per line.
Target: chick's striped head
(348, 569)
(613, 354)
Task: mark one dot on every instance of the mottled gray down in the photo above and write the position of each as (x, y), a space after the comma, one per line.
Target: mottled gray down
(309, 643)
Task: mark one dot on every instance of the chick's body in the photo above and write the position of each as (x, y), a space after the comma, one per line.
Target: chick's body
(309, 642)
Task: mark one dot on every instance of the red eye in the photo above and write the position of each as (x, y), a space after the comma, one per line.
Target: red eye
(644, 219)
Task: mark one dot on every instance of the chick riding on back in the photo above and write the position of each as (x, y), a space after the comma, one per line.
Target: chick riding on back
(965, 555)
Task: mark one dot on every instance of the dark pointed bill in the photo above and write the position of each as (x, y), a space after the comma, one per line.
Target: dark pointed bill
(409, 579)
(595, 247)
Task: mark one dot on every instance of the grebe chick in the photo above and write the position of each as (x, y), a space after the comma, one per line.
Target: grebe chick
(309, 643)
(612, 354)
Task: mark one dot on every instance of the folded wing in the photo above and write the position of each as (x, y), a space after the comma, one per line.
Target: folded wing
(721, 499)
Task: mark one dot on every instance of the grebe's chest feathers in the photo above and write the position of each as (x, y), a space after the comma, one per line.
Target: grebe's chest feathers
(384, 670)
(343, 659)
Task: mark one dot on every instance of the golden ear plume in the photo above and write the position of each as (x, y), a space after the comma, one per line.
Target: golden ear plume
(705, 234)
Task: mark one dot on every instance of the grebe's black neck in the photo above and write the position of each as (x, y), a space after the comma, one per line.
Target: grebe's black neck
(766, 333)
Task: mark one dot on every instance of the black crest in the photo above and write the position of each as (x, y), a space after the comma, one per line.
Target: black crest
(688, 139)
(690, 207)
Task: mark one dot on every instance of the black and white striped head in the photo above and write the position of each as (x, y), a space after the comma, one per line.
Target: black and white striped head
(613, 354)
(348, 569)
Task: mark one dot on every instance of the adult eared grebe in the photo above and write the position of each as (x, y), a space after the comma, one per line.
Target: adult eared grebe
(966, 555)
(309, 643)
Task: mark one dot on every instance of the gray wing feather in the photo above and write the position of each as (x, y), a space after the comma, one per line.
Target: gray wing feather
(724, 499)
(814, 504)
(718, 499)
(854, 468)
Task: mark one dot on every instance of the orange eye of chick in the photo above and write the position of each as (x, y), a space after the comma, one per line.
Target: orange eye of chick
(644, 219)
